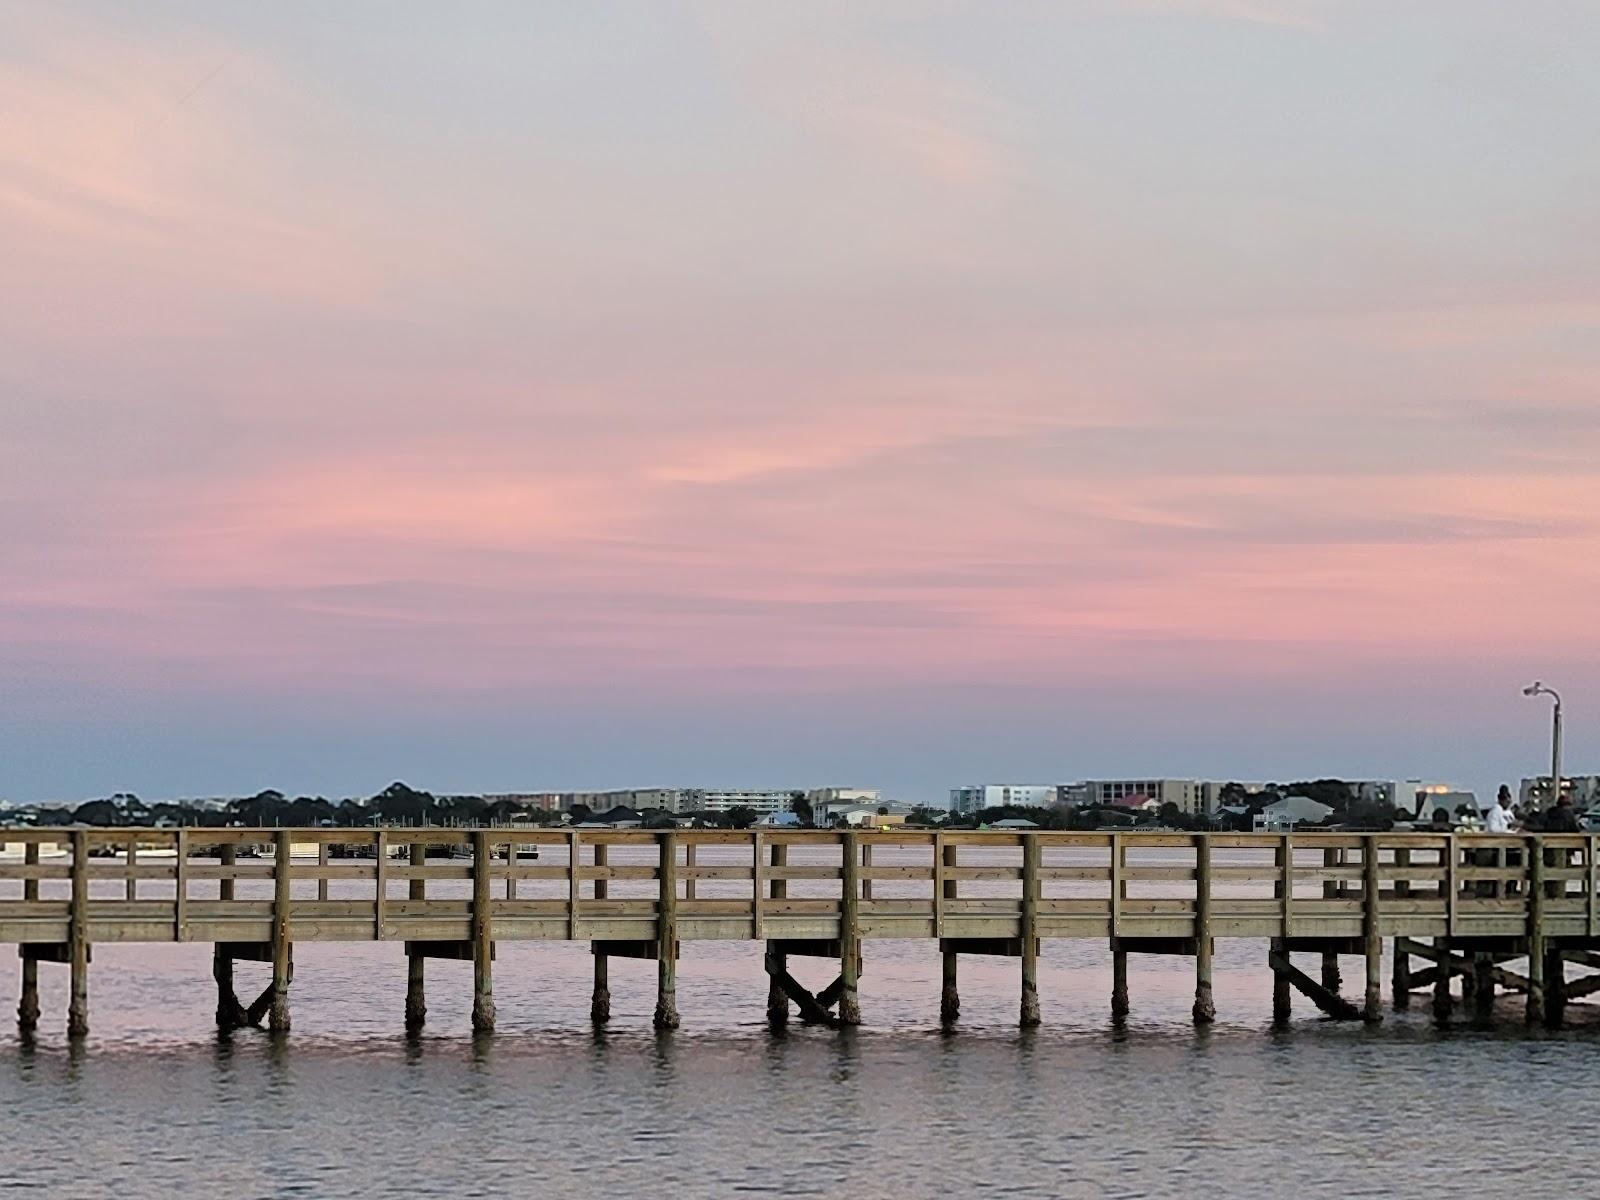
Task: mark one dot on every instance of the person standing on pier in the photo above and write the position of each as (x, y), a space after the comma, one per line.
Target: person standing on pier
(1499, 818)
(1561, 818)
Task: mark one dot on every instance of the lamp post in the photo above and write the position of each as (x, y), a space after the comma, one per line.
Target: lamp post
(1538, 689)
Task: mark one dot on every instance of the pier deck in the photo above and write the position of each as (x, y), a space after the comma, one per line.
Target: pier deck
(1480, 901)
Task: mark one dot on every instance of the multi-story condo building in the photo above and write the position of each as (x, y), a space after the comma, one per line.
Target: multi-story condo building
(761, 801)
(1185, 793)
(1582, 790)
(995, 795)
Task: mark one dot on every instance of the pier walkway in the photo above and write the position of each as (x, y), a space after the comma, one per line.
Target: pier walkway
(1452, 906)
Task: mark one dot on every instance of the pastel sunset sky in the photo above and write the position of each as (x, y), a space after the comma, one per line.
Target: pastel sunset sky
(507, 395)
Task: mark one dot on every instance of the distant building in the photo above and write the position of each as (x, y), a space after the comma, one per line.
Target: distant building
(1419, 797)
(1457, 804)
(1133, 793)
(994, 795)
(1211, 793)
(843, 795)
(1584, 791)
(1291, 811)
(868, 814)
(543, 801)
(758, 801)
(672, 800)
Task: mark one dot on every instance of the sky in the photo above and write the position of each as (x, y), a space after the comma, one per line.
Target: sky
(510, 396)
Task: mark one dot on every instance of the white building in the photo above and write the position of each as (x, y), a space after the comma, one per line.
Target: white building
(819, 797)
(760, 801)
(672, 800)
(993, 795)
(1418, 797)
(1289, 812)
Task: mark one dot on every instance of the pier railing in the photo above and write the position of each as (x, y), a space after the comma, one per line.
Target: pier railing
(1482, 901)
(235, 885)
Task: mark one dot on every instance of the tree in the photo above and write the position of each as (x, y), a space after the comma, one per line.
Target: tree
(580, 813)
(98, 812)
(399, 802)
(742, 816)
(800, 805)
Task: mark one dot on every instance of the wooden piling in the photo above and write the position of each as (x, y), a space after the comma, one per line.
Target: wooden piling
(1030, 931)
(483, 1013)
(600, 1001)
(278, 1014)
(1555, 986)
(416, 964)
(1282, 1004)
(1372, 933)
(1483, 985)
(78, 937)
(1119, 956)
(1205, 1006)
(850, 932)
(946, 888)
(1443, 1001)
(666, 1015)
(949, 990)
(230, 1013)
(28, 1001)
(1536, 944)
(777, 998)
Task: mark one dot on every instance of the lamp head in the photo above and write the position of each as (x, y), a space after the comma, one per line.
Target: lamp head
(1533, 689)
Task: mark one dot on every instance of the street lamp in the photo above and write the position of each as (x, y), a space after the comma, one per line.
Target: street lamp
(1538, 689)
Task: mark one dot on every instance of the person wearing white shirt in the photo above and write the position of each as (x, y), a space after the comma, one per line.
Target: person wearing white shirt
(1499, 819)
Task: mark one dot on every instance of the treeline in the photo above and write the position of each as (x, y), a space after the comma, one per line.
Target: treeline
(397, 804)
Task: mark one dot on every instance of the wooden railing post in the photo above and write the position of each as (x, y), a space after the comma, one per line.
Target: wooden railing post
(416, 964)
(1536, 946)
(600, 999)
(483, 1013)
(1205, 1006)
(1283, 859)
(944, 889)
(1372, 1008)
(1030, 929)
(180, 894)
(758, 883)
(278, 1014)
(574, 884)
(850, 932)
(666, 1016)
(1119, 956)
(28, 1002)
(380, 892)
(777, 961)
(78, 937)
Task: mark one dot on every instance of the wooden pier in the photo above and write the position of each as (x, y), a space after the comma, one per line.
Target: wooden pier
(1467, 905)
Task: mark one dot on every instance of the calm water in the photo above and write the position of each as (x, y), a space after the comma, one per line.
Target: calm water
(155, 1104)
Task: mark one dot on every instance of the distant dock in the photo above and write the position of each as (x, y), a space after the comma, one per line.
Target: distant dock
(1453, 907)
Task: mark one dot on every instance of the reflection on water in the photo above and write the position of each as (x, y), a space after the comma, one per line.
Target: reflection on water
(155, 1103)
